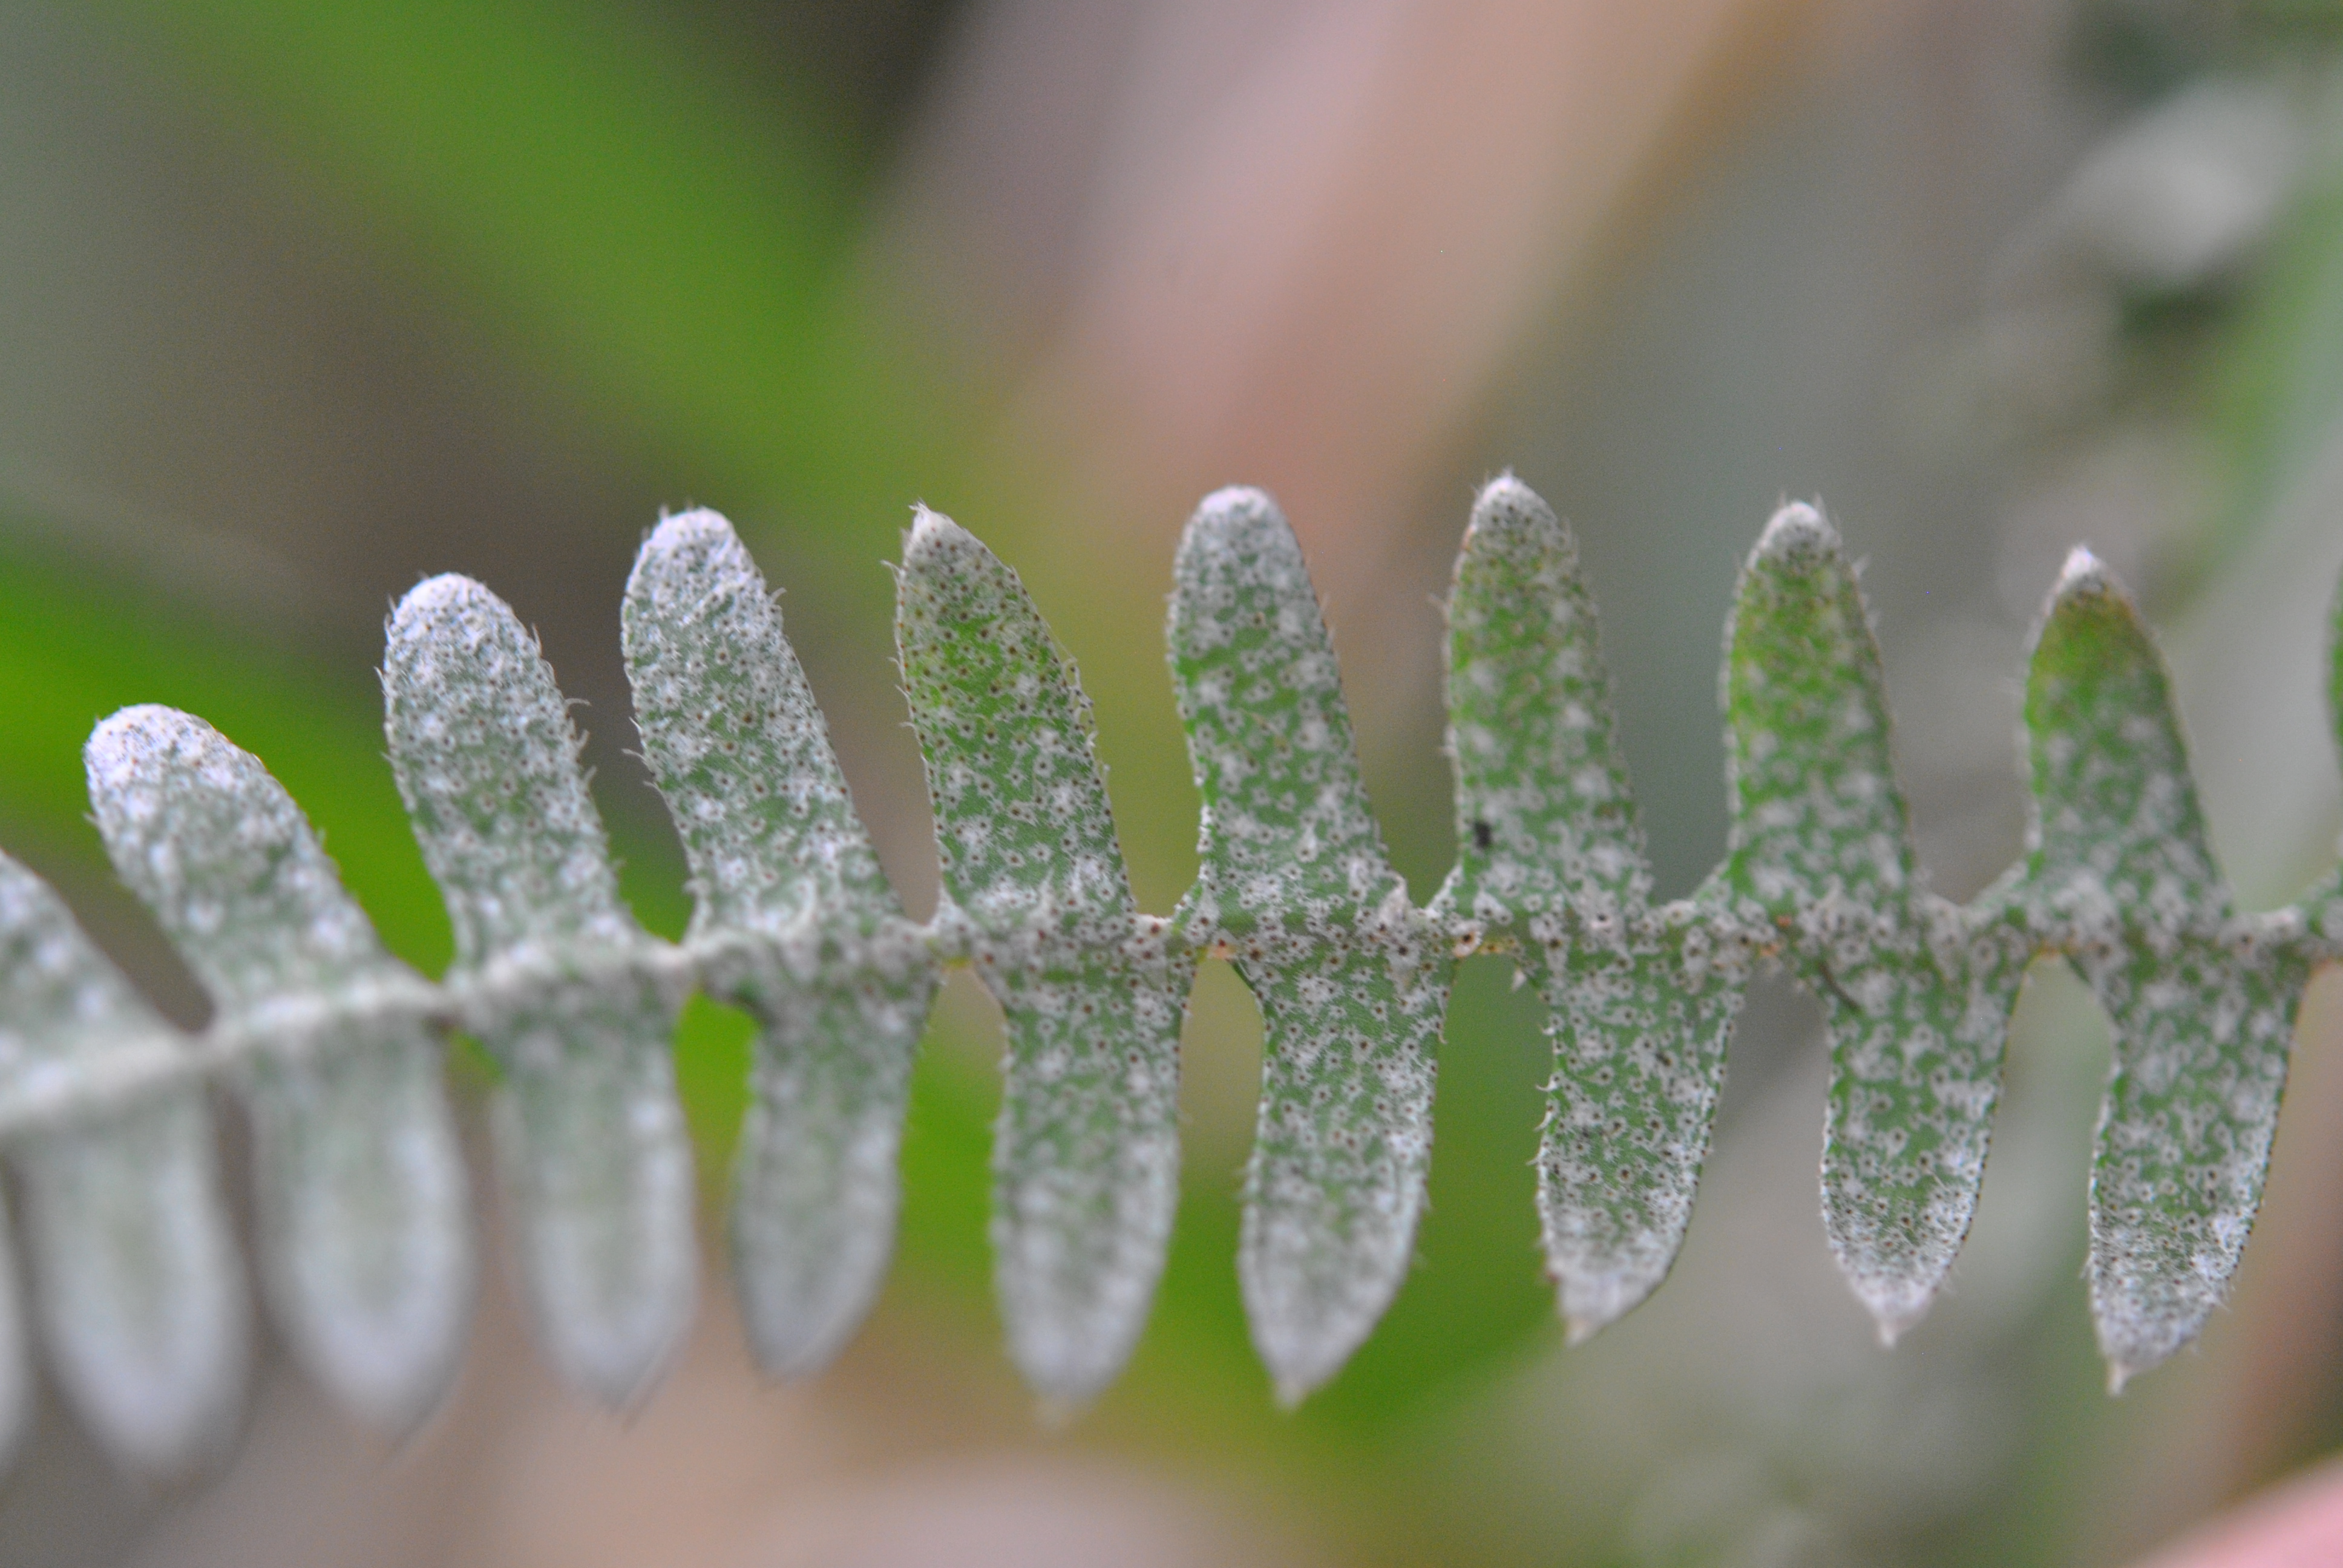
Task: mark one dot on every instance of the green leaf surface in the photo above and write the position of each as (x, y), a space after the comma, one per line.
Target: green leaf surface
(1351, 978)
(1639, 1011)
(1086, 1157)
(1546, 815)
(366, 1236)
(2121, 874)
(140, 1291)
(792, 920)
(1550, 858)
(568, 994)
(1916, 996)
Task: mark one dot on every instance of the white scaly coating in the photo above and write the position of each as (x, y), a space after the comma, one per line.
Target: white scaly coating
(103, 1110)
(1351, 978)
(2120, 873)
(1549, 866)
(575, 1001)
(1916, 994)
(139, 1288)
(793, 919)
(1086, 1155)
(365, 1234)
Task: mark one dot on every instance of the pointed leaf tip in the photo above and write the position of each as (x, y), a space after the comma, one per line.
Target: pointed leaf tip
(693, 520)
(1510, 514)
(2085, 573)
(692, 561)
(691, 567)
(1238, 519)
(1235, 500)
(932, 530)
(940, 549)
(1507, 493)
(449, 593)
(1796, 535)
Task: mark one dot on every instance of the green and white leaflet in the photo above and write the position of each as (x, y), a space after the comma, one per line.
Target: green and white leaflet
(366, 1244)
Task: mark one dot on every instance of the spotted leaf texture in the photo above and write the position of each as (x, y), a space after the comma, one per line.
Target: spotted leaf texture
(366, 1241)
(1550, 862)
(1086, 1155)
(794, 921)
(572, 998)
(105, 1117)
(2121, 874)
(141, 1294)
(1351, 978)
(1916, 997)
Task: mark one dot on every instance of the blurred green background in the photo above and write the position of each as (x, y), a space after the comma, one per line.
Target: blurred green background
(300, 302)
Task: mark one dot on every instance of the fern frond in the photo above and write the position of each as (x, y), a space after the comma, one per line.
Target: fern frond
(1550, 865)
(1351, 979)
(366, 1249)
(793, 921)
(140, 1295)
(364, 1233)
(1086, 1156)
(568, 993)
(1914, 995)
(2120, 875)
